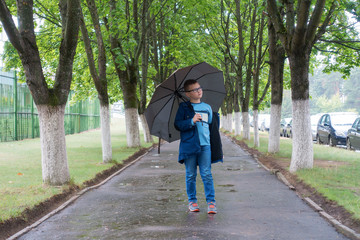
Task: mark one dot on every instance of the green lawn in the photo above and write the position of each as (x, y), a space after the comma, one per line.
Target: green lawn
(340, 183)
(21, 184)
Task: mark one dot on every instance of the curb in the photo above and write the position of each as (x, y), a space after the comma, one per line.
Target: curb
(346, 231)
(72, 199)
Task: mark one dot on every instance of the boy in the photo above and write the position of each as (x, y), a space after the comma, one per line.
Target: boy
(192, 120)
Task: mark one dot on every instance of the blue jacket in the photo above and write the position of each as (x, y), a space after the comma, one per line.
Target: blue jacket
(189, 138)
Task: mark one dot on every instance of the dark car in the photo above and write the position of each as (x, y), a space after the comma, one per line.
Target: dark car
(353, 136)
(283, 125)
(333, 127)
(288, 132)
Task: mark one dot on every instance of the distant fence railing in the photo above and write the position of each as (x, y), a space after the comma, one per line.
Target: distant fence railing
(19, 117)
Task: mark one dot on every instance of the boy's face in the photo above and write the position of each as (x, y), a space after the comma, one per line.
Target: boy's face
(194, 92)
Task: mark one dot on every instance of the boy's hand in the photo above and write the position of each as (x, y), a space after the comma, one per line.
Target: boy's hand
(197, 118)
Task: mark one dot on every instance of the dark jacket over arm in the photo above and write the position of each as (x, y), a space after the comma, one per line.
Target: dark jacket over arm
(189, 141)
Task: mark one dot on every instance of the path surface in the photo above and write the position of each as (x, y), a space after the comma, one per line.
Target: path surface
(148, 201)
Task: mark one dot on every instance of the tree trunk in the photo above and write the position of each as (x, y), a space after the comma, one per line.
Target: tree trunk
(105, 133)
(55, 170)
(246, 125)
(147, 136)
(99, 77)
(274, 132)
(50, 102)
(230, 122)
(132, 127)
(237, 123)
(302, 150)
(276, 74)
(256, 128)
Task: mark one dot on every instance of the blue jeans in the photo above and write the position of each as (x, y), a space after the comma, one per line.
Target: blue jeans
(203, 160)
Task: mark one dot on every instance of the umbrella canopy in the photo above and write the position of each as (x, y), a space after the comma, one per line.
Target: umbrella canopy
(161, 111)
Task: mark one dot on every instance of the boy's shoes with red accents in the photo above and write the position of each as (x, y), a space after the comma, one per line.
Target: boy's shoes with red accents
(193, 207)
(212, 208)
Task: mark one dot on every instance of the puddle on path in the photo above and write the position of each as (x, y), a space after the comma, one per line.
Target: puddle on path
(167, 190)
(125, 184)
(226, 185)
(157, 166)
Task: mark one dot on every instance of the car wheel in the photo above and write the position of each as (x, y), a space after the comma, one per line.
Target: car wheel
(331, 142)
(348, 144)
(318, 139)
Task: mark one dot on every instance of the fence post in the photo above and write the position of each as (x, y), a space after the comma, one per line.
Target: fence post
(80, 112)
(32, 119)
(15, 107)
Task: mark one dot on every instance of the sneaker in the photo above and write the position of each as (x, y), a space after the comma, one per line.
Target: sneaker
(193, 207)
(211, 208)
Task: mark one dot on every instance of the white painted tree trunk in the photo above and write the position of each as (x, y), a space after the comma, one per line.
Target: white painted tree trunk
(225, 122)
(228, 122)
(105, 133)
(246, 125)
(147, 136)
(274, 132)
(55, 170)
(222, 120)
(256, 129)
(237, 123)
(302, 150)
(132, 127)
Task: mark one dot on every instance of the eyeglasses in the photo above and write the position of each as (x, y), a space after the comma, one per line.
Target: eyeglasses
(195, 90)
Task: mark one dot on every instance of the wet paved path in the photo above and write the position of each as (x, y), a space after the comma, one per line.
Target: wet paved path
(148, 201)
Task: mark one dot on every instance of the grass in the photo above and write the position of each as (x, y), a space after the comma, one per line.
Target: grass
(340, 183)
(21, 184)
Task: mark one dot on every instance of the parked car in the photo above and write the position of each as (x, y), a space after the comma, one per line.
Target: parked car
(264, 122)
(283, 124)
(332, 128)
(288, 132)
(353, 136)
(314, 122)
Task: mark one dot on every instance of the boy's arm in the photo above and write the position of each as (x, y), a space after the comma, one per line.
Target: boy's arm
(210, 116)
(183, 123)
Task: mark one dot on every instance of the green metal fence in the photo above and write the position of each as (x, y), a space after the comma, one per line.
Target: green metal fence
(19, 117)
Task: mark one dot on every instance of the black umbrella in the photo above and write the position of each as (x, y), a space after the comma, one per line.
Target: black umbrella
(161, 111)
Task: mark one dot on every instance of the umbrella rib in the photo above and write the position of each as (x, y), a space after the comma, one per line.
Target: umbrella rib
(199, 76)
(172, 106)
(163, 107)
(167, 88)
(207, 74)
(161, 98)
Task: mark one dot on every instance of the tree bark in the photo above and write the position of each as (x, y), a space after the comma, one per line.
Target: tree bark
(256, 128)
(128, 78)
(302, 151)
(55, 170)
(132, 127)
(298, 40)
(144, 75)
(105, 132)
(237, 116)
(274, 132)
(276, 75)
(145, 127)
(246, 125)
(99, 77)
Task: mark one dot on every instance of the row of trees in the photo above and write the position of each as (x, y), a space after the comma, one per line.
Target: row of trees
(122, 49)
